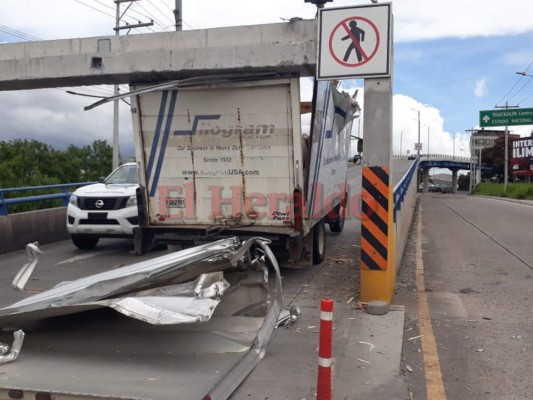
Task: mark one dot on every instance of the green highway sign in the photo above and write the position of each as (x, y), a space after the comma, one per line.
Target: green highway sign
(506, 117)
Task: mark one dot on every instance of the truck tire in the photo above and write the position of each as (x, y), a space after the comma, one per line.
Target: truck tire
(84, 242)
(319, 242)
(337, 225)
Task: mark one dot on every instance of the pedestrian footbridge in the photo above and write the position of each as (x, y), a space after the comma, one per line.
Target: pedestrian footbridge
(453, 163)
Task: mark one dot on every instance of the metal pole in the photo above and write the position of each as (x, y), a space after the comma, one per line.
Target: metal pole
(178, 15)
(115, 103)
(480, 165)
(428, 142)
(401, 134)
(506, 161)
(454, 146)
(418, 150)
(506, 156)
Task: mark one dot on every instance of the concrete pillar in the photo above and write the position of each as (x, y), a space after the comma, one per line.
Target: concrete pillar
(425, 180)
(454, 181)
(378, 275)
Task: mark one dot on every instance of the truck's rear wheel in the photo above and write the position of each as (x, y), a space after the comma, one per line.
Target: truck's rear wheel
(337, 225)
(319, 242)
(84, 242)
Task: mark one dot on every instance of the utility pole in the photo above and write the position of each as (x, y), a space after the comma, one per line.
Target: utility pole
(506, 156)
(472, 161)
(418, 142)
(401, 134)
(178, 15)
(454, 146)
(428, 142)
(117, 29)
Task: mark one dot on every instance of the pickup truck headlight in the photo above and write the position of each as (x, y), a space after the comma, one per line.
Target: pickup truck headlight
(73, 200)
(132, 201)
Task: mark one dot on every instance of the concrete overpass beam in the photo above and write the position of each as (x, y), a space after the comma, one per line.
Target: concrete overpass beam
(284, 48)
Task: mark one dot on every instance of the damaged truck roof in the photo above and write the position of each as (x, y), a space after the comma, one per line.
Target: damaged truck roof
(185, 325)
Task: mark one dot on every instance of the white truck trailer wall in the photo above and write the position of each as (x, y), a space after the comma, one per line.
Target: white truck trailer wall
(330, 150)
(219, 151)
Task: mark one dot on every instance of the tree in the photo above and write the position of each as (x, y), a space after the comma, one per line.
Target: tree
(494, 157)
(32, 163)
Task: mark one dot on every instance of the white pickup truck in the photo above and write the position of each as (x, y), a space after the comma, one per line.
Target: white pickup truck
(104, 209)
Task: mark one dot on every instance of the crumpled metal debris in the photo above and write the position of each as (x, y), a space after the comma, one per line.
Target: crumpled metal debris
(288, 316)
(22, 277)
(157, 291)
(7, 353)
(221, 286)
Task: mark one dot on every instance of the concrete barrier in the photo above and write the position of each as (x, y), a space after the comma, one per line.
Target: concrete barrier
(43, 226)
(405, 198)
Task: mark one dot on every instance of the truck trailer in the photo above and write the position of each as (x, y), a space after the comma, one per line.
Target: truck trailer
(229, 157)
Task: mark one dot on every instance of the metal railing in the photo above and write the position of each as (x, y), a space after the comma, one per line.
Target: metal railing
(63, 195)
(437, 157)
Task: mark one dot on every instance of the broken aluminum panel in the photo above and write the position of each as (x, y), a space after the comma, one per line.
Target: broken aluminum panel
(108, 355)
(85, 293)
(8, 354)
(22, 277)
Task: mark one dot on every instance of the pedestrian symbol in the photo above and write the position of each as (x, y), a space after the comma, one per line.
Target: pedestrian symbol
(354, 42)
(356, 36)
(354, 31)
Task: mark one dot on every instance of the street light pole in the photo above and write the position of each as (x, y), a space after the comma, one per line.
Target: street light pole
(506, 148)
(418, 146)
(401, 152)
(454, 146)
(428, 142)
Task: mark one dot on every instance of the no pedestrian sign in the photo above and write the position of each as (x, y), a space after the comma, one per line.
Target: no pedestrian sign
(354, 42)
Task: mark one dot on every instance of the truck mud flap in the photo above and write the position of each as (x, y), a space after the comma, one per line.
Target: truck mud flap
(187, 325)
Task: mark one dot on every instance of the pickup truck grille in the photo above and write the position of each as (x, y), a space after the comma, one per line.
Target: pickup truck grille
(109, 203)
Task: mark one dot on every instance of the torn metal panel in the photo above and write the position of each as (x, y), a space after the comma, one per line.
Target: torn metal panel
(210, 311)
(22, 277)
(8, 354)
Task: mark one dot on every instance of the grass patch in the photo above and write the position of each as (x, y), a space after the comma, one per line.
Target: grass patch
(522, 191)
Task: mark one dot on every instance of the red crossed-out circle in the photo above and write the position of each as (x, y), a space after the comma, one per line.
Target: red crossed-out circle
(344, 25)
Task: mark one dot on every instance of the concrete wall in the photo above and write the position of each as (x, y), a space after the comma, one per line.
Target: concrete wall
(404, 218)
(43, 226)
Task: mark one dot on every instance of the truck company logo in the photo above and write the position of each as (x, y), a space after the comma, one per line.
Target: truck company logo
(202, 126)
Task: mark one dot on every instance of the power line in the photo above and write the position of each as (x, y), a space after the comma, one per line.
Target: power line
(514, 86)
(520, 89)
(162, 13)
(19, 34)
(94, 8)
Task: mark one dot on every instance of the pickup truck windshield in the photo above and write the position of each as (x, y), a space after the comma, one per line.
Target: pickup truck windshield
(126, 174)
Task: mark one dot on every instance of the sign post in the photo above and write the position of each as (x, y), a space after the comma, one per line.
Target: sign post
(355, 42)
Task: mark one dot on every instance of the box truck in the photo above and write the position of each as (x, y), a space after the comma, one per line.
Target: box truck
(221, 158)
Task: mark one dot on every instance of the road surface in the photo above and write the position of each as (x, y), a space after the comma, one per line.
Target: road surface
(467, 284)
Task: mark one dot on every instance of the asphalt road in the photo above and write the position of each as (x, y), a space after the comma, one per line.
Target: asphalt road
(475, 269)
(289, 370)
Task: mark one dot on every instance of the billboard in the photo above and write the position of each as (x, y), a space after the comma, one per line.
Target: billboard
(522, 160)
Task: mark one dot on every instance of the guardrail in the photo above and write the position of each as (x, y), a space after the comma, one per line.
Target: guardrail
(63, 195)
(438, 157)
(405, 198)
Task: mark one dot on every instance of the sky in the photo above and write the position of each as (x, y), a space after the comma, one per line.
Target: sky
(452, 59)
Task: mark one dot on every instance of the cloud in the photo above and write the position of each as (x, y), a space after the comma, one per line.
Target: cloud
(56, 118)
(481, 89)
(413, 19)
